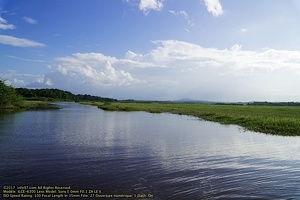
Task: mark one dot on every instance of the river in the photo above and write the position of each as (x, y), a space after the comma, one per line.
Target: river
(150, 156)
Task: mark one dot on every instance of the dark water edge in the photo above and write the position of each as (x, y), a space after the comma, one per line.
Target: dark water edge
(167, 156)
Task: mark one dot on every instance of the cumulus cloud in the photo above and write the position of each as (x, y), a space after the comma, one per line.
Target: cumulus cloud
(19, 42)
(93, 69)
(29, 20)
(214, 7)
(89, 73)
(176, 69)
(20, 80)
(4, 25)
(190, 70)
(169, 52)
(147, 5)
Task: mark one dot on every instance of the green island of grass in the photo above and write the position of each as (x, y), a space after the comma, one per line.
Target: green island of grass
(276, 120)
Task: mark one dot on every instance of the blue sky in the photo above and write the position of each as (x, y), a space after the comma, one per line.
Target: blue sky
(218, 50)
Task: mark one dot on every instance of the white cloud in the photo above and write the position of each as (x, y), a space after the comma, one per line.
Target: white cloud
(25, 59)
(4, 25)
(19, 42)
(236, 47)
(133, 56)
(214, 7)
(184, 14)
(20, 80)
(147, 5)
(176, 69)
(172, 51)
(30, 20)
(95, 69)
(188, 70)
(89, 73)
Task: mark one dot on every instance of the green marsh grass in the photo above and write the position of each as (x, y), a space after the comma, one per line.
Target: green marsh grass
(28, 105)
(277, 120)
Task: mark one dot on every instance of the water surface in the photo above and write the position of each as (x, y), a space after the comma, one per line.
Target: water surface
(168, 156)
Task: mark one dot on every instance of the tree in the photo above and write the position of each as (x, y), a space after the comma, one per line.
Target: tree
(8, 96)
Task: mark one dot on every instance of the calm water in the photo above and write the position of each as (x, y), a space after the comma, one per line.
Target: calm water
(168, 156)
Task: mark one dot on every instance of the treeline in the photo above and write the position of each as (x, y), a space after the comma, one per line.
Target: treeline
(9, 98)
(56, 94)
(14, 98)
(265, 103)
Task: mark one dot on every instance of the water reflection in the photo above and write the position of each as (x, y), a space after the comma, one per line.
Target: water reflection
(169, 156)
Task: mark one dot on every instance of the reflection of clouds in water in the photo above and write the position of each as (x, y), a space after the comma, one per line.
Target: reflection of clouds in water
(183, 155)
(108, 132)
(198, 144)
(172, 141)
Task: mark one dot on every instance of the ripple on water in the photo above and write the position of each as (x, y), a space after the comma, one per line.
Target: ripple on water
(169, 156)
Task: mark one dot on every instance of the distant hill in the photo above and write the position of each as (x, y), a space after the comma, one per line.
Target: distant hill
(265, 103)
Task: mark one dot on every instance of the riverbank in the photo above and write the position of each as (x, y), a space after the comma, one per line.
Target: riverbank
(27, 105)
(276, 120)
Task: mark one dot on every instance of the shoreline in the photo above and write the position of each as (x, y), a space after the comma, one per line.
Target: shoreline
(274, 120)
(28, 105)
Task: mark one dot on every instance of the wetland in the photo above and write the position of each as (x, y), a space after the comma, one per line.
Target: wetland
(164, 155)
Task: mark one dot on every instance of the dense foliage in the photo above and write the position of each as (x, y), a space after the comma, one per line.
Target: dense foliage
(56, 94)
(8, 96)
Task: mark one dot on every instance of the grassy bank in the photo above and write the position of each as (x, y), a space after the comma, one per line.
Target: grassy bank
(37, 105)
(26, 105)
(277, 120)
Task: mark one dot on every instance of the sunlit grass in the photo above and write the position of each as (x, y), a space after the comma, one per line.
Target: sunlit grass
(277, 120)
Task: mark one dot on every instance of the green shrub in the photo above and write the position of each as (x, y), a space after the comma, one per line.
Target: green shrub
(9, 97)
